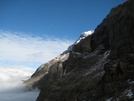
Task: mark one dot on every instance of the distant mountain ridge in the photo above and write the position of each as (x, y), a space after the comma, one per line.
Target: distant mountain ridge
(97, 67)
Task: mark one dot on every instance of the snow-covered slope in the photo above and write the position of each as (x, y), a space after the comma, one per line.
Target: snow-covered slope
(82, 36)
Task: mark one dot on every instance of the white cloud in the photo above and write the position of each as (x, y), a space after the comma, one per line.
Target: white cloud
(21, 47)
(17, 50)
(11, 84)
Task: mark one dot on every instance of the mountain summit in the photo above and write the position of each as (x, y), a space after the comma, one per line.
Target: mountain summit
(97, 67)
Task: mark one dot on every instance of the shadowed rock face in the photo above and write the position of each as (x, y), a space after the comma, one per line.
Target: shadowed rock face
(99, 68)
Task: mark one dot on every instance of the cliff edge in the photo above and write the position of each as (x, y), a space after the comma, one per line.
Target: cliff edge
(99, 67)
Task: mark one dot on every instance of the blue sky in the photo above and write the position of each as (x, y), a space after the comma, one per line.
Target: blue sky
(58, 18)
(34, 31)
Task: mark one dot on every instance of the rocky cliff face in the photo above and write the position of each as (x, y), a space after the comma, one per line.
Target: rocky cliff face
(100, 67)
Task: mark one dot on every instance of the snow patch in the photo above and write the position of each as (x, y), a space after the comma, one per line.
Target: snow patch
(110, 99)
(87, 33)
(62, 56)
(129, 93)
(98, 64)
(130, 82)
(83, 36)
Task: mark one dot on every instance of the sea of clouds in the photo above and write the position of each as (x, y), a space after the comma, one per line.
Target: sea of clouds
(11, 84)
(17, 52)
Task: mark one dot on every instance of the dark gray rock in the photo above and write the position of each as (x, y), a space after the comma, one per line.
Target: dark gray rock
(99, 68)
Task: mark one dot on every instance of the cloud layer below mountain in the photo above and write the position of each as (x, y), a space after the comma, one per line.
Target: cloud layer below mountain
(11, 84)
(17, 51)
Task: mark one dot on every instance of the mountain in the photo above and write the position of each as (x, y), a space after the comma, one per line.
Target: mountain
(46, 68)
(97, 67)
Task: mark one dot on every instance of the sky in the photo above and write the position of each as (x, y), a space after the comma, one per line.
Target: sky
(32, 32)
(58, 18)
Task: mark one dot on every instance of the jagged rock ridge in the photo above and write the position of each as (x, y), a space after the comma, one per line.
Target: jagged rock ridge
(99, 68)
(54, 63)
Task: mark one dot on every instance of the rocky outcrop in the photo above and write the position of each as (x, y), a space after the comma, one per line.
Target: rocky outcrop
(50, 71)
(98, 68)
